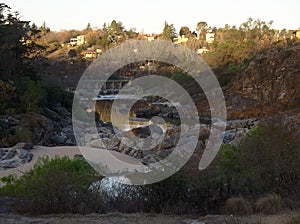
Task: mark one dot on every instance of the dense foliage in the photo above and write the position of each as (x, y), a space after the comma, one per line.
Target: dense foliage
(60, 185)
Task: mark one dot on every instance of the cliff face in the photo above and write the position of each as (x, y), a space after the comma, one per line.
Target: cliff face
(270, 82)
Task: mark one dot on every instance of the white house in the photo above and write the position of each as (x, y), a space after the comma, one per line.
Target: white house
(202, 50)
(79, 40)
(210, 37)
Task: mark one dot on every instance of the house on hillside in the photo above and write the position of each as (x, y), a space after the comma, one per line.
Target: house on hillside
(180, 39)
(150, 37)
(79, 40)
(297, 34)
(210, 37)
(89, 54)
(202, 50)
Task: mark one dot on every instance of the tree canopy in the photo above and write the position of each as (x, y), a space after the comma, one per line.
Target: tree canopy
(169, 32)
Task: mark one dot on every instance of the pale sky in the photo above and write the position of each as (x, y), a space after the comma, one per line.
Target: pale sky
(150, 15)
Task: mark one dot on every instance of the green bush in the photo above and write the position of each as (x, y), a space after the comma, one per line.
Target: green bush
(170, 195)
(21, 134)
(270, 159)
(54, 94)
(31, 98)
(180, 77)
(60, 185)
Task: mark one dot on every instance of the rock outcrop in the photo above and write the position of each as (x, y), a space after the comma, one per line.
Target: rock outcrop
(15, 156)
(269, 83)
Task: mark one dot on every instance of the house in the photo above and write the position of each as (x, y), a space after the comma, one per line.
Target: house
(210, 37)
(89, 54)
(150, 37)
(180, 39)
(79, 40)
(202, 50)
(297, 34)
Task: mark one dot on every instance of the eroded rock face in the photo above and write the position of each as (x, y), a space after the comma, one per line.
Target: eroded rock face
(271, 81)
(38, 129)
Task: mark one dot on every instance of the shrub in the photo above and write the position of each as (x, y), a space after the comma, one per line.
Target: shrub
(269, 205)
(31, 97)
(168, 196)
(270, 159)
(55, 94)
(8, 97)
(180, 77)
(60, 185)
(294, 220)
(237, 206)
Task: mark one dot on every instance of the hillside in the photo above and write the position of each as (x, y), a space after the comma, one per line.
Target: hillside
(268, 84)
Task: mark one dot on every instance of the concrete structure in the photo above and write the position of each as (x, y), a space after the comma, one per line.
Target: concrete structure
(79, 40)
(180, 39)
(202, 50)
(89, 54)
(108, 87)
(210, 37)
(297, 34)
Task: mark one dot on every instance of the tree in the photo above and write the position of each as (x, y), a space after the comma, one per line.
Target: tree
(31, 97)
(185, 31)
(44, 29)
(116, 28)
(87, 29)
(105, 28)
(169, 32)
(18, 51)
(132, 33)
(201, 29)
(258, 31)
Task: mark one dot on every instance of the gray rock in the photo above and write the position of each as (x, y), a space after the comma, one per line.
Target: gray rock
(165, 153)
(149, 159)
(131, 153)
(90, 137)
(9, 155)
(57, 140)
(19, 145)
(28, 146)
(25, 156)
(9, 163)
(97, 143)
(166, 144)
(3, 152)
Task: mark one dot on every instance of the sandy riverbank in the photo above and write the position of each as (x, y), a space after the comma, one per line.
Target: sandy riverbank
(70, 151)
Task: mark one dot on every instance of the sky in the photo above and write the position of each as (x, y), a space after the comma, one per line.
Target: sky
(149, 16)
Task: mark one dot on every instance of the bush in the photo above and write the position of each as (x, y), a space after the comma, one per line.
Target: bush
(169, 195)
(54, 94)
(294, 220)
(8, 97)
(31, 97)
(270, 159)
(237, 206)
(60, 185)
(269, 205)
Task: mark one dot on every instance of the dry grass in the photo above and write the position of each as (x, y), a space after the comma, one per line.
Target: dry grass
(269, 205)
(294, 219)
(237, 206)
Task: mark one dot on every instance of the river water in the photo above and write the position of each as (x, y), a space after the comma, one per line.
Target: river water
(106, 112)
(123, 121)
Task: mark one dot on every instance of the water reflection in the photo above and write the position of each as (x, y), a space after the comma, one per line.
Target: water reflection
(104, 110)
